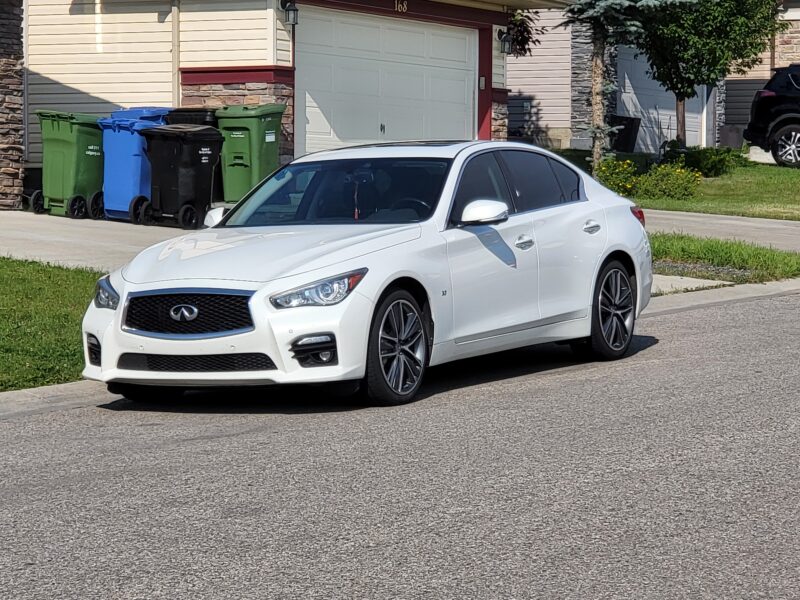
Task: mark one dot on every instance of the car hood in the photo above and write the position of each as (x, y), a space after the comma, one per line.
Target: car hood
(261, 254)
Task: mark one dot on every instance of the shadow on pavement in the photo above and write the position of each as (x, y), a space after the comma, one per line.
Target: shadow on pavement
(331, 398)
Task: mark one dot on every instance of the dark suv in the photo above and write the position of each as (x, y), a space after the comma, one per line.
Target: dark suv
(775, 117)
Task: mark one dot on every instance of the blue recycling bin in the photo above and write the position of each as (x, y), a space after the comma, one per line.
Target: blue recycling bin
(126, 167)
(157, 114)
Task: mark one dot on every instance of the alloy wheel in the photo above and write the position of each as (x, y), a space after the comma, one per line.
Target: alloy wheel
(615, 304)
(402, 347)
(789, 147)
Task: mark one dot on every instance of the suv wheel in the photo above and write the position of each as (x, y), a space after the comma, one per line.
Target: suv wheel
(785, 146)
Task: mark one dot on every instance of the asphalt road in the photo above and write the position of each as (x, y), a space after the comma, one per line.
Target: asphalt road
(671, 474)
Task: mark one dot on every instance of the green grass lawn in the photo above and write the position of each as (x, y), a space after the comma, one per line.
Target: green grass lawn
(41, 308)
(739, 262)
(756, 190)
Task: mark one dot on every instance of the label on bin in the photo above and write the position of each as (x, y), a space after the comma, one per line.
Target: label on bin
(237, 134)
(93, 151)
(206, 153)
(269, 136)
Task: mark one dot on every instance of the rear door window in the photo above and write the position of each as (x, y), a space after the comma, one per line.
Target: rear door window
(570, 180)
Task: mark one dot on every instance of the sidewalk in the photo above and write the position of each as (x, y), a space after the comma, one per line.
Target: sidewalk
(782, 235)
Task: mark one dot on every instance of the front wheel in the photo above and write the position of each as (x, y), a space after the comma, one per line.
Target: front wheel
(147, 214)
(785, 146)
(134, 208)
(613, 314)
(397, 354)
(188, 217)
(77, 207)
(97, 206)
(37, 202)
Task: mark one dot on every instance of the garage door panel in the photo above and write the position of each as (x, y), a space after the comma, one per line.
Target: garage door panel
(382, 80)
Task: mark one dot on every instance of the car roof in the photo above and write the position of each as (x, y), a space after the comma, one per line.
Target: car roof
(424, 149)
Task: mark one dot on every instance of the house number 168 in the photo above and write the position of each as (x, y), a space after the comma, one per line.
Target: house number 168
(401, 6)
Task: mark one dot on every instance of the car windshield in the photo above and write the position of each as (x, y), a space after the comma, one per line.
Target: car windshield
(384, 190)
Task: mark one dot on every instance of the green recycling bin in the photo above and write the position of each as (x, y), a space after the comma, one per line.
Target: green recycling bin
(72, 163)
(250, 152)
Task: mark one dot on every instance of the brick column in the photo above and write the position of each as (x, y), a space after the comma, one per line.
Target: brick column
(12, 122)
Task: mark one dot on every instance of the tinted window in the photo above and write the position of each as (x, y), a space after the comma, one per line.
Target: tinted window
(570, 181)
(481, 179)
(533, 180)
(385, 190)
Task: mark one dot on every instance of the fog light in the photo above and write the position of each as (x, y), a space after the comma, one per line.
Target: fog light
(315, 350)
(93, 350)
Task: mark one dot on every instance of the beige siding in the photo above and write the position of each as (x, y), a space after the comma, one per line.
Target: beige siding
(540, 83)
(215, 33)
(283, 41)
(498, 62)
(88, 56)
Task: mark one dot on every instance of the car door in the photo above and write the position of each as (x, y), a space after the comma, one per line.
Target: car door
(570, 231)
(493, 268)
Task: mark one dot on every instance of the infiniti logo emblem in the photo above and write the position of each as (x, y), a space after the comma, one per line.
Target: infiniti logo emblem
(184, 313)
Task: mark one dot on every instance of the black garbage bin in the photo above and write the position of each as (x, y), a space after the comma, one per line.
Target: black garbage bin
(183, 160)
(197, 115)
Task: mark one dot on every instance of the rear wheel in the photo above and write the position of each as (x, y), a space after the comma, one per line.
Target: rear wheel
(187, 217)
(397, 355)
(37, 202)
(134, 208)
(146, 213)
(613, 315)
(148, 394)
(77, 207)
(97, 206)
(785, 146)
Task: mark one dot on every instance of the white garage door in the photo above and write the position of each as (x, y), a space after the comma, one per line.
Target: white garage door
(363, 79)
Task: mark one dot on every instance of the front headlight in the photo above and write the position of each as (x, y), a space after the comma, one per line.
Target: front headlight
(105, 296)
(320, 293)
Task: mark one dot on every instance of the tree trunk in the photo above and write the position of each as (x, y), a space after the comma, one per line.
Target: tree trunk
(598, 97)
(680, 118)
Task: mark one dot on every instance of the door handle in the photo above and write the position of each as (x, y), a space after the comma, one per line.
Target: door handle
(524, 242)
(591, 227)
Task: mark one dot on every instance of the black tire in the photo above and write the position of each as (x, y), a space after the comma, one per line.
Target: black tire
(134, 208)
(785, 146)
(147, 394)
(146, 213)
(77, 208)
(613, 318)
(402, 363)
(188, 217)
(37, 202)
(97, 206)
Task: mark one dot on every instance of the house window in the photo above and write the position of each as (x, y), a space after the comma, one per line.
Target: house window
(791, 10)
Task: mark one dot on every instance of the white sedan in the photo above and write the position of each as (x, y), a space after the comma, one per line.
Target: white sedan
(371, 264)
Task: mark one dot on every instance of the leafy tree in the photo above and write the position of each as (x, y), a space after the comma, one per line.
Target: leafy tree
(704, 42)
(524, 31)
(609, 22)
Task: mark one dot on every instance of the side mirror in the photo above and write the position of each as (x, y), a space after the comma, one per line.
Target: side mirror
(214, 216)
(484, 212)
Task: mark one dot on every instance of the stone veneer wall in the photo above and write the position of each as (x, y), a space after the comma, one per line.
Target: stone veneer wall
(499, 120)
(232, 94)
(787, 46)
(12, 121)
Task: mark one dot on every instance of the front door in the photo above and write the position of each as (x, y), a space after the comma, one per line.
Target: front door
(493, 267)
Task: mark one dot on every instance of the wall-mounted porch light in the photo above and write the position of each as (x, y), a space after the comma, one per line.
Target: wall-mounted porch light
(505, 41)
(290, 10)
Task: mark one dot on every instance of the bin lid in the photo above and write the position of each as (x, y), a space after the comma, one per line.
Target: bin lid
(151, 113)
(56, 115)
(184, 131)
(240, 112)
(194, 110)
(118, 124)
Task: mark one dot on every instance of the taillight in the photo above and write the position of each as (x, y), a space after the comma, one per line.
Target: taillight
(765, 94)
(638, 213)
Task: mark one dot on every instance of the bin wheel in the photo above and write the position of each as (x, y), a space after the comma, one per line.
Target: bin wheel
(146, 216)
(97, 206)
(134, 208)
(37, 202)
(77, 207)
(188, 217)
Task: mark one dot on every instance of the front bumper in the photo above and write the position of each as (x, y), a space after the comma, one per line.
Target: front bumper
(274, 333)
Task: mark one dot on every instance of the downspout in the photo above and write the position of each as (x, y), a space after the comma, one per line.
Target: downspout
(176, 53)
(25, 97)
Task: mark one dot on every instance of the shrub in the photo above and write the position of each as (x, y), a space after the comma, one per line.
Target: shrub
(618, 176)
(673, 181)
(710, 162)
